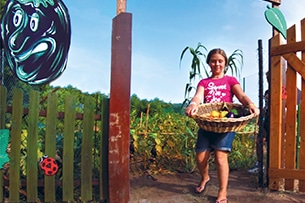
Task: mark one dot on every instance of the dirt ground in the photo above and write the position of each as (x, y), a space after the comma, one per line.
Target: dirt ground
(180, 187)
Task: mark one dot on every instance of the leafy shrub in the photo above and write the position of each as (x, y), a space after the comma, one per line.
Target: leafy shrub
(166, 142)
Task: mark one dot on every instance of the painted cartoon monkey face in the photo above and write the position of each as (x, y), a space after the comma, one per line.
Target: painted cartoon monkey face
(36, 39)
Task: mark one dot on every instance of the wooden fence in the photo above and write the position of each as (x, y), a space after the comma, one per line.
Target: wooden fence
(287, 62)
(84, 179)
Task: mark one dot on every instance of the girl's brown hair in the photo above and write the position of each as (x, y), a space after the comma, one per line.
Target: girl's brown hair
(217, 51)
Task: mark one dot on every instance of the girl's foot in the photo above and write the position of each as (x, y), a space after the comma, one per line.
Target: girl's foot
(202, 186)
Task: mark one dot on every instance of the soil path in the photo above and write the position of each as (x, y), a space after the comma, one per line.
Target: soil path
(180, 187)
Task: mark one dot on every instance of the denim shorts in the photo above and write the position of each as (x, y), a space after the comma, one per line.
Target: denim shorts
(214, 141)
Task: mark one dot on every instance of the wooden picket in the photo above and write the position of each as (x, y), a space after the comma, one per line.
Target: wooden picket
(286, 169)
(3, 93)
(16, 185)
(14, 169)
(49, 181)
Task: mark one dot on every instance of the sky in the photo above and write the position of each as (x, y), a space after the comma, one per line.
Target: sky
(161, 29)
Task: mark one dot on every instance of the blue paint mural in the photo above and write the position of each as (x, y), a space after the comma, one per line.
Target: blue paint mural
(36, 38)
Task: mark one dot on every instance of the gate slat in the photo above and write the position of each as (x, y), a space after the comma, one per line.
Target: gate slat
(275, 114)
(104, 187)
(50, 145)
(3, 92)
(291, 102)
(302, 135)
(68, 150)
(15, 141)
(32, 146)
(302, 116)
(87, 142)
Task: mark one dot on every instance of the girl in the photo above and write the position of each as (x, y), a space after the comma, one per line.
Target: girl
(217, 88)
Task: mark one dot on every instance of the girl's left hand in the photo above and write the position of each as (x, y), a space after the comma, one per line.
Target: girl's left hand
(254, 109)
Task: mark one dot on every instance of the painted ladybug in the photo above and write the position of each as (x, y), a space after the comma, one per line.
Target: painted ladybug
(48, 165)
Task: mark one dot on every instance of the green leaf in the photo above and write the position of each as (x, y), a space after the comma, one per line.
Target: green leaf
(190, 132)
(154, 135)
(275, 18)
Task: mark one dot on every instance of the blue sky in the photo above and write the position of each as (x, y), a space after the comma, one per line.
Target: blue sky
(161, 29)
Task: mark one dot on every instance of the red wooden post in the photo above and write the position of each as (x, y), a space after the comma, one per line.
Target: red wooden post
(119, 109)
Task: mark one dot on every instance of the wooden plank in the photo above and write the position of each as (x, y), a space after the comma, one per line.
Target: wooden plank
(296, 63)
(287, 48)
(119, 109)
(50, 145)
(3, 93)
(302, 135)
(275, 113)
(302, 115)
(32, 146)
(291, 102)
(43, 113)
(287, 173)
(104, 174)
(15, 145)
(87, 143)
(68, 150)
(58, 182)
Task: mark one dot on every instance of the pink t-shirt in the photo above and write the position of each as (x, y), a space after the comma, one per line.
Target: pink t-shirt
(218, 89)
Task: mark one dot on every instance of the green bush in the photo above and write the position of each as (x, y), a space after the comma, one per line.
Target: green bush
(166, 143)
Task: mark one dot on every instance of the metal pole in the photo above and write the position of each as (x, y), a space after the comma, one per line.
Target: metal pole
(260, 136)
(244, 84)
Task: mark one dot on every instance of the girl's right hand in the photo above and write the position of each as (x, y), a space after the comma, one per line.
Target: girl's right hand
(191, 109)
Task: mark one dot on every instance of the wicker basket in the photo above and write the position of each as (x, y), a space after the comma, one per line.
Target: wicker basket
(221, 125)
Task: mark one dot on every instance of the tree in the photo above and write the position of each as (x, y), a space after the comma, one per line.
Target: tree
(199, 54)
(2, 4)
(155, 106)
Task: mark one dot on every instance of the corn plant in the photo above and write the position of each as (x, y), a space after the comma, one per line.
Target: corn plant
(198, 65)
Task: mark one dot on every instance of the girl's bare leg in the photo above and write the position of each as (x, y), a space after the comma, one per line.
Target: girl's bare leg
(221, 159)
(203, 166)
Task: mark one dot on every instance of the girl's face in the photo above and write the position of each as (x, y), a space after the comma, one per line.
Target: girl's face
(217, 64)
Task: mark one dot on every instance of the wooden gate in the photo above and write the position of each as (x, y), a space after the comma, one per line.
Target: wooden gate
(287, 61)
(66, 136)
